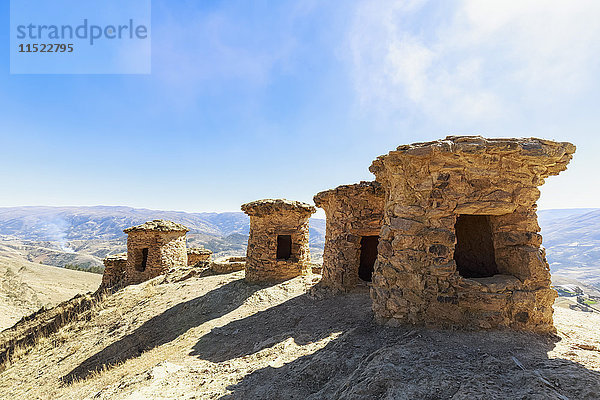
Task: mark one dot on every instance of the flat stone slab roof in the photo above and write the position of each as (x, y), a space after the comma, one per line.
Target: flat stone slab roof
(198, 250)
(526, 147)
(160, 225)
(268, 206)
(552, 157)
(350, 190)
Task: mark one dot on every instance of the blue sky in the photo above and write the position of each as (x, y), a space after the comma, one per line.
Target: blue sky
(250, 100)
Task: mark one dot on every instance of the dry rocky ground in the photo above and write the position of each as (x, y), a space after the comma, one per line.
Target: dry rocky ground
(27, 286)
(188, 337)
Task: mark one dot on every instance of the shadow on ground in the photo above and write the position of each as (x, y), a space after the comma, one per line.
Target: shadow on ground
(166, 327)
(386, 363)
(369, 361)
(303, 318)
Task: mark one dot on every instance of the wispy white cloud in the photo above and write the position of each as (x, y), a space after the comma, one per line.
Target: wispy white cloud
(478, 60)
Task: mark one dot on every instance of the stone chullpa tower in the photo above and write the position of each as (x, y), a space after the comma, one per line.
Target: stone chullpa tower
(153, 248)
(114, 271)
(459, 246)
(354, 218)
(278, 243)
(196, 255)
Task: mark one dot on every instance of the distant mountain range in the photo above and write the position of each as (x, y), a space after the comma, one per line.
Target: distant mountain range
(84, 235)
(63, 224)
(101, 222)
(572, 241)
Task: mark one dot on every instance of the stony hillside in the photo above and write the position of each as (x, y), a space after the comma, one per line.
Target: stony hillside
(219, 337)
(26, 286)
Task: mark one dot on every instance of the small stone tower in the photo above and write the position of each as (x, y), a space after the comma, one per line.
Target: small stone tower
(459, 245)
(153, 248)
(114, 270)
(278, 243)
(196, 255)
(354, 218)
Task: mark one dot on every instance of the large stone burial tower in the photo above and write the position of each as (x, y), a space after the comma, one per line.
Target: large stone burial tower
(459, 246)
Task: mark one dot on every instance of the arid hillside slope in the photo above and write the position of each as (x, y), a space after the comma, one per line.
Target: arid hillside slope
(27, 286)
(188, 337)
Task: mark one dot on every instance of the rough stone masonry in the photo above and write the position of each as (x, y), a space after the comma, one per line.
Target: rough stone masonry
(354, 217)
(114, 270)
(459, 245)
(196, 255)
(278, 243)
(153, 248)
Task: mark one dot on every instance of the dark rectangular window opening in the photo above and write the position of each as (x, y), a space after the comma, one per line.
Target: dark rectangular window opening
(368, 256)
(284, 247)
(474, 251)
(142, 265)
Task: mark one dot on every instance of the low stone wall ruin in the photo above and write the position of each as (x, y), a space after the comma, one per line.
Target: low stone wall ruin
(231, 264)
(114, 271)
(196, 255)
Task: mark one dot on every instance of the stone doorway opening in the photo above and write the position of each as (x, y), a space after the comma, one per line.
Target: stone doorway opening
(144, 260)
(474, 250)
(284, 247)
(368, 256)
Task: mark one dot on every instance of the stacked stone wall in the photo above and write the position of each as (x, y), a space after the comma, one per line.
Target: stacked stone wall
(428, 185)
(166, 250)
(196, 255)
(268, 220)
(352, 211)
(114, 271)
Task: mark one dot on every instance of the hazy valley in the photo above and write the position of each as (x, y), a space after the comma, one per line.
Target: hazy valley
(83, 236)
